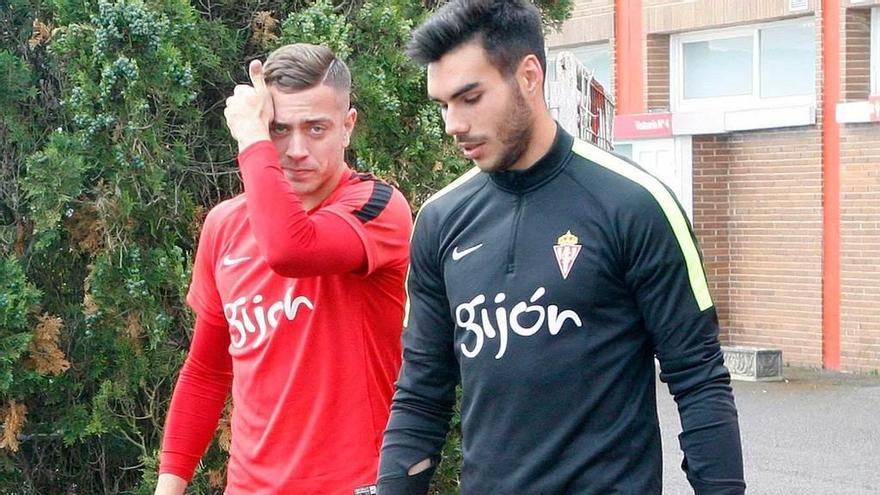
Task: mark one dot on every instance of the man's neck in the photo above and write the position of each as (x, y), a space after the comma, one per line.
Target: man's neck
(311, 201)
(543, 136)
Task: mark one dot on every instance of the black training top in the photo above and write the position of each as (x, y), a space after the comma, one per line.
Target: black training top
(547, 293)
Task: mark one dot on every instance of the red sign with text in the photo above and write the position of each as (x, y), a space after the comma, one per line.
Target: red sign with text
(643, 125)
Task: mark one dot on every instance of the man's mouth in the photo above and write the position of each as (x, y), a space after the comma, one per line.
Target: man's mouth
(472, 150)
(297, 173)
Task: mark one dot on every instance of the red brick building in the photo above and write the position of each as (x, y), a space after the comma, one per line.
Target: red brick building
(764, 117)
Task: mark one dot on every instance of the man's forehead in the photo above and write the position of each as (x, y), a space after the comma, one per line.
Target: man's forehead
(320, 93)
(303, 119)
(465, 66)
(300, 115)
(312, 104)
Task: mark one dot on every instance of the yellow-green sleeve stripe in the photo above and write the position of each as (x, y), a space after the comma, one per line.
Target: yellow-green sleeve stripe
(676, 219)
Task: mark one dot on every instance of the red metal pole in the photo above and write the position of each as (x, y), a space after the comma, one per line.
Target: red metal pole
(629, 72)
(830, 184)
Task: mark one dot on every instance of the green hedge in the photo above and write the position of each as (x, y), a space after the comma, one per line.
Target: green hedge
(112, 149)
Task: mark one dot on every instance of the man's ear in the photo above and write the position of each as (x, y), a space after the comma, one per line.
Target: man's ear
(348, 125)
(530, 75)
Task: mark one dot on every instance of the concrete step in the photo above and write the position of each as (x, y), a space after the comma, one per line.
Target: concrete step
(754, 364)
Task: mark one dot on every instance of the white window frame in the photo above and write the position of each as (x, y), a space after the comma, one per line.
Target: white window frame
(875, 51)
(753, 101)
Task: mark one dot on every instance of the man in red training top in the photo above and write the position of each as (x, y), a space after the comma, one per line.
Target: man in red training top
(298, 293)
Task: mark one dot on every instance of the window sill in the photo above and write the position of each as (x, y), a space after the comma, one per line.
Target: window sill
(721, 121)
(856, 112)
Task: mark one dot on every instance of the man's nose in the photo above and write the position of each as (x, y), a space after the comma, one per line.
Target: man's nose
(455, 122)
(296, 147)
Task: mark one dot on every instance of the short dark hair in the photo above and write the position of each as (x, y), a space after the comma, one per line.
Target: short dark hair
(509, 30)
(303, 66)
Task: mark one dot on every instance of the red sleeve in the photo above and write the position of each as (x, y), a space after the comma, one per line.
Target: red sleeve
(382, 219)
(203, 296)
(293, 243)
(197, 401)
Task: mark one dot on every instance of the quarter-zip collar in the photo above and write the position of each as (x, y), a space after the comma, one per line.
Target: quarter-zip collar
(547, 167)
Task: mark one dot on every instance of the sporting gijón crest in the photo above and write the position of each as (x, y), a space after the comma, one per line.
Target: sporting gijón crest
(566, 250)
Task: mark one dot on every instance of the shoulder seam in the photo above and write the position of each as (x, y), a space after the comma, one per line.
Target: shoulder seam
(376, 203)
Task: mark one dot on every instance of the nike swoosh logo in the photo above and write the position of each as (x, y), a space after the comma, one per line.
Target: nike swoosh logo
(457, 255)
(229, 261)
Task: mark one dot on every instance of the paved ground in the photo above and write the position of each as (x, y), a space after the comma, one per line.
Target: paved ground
(816, 433)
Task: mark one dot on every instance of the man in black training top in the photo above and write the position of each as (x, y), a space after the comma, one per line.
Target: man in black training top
(546, 280)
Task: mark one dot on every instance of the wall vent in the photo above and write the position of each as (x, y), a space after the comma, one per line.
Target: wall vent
(798, 5)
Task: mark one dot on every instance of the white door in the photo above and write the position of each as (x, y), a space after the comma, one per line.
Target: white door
(668, 159)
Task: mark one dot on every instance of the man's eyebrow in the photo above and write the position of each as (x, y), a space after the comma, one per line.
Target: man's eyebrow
(311, 121)
(462, 90)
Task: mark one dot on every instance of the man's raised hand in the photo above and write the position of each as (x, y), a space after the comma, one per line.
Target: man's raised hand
(255, 70)
(249, 111)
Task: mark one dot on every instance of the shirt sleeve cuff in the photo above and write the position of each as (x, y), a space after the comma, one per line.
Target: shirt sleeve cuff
(177, 467)
(255, 149)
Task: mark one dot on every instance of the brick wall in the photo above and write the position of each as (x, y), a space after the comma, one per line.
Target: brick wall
(759, 196)
(860, 207)
(861, 3)
(590, 21)
(758, 217)
(757, 206)
(860, 247)
(590, 8)
(612, 90)
(657, 72)
(668, 16)
(711, 212)
(664, 3)
(856, 56)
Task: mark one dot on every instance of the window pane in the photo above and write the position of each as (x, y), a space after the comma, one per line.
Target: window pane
(718, 67)
(597, 59)
(788, 60)
(594, 57)
(551, 66)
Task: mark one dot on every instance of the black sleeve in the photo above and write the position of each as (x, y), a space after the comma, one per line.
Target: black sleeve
(664, 271)
(406, 485)
(425, 396)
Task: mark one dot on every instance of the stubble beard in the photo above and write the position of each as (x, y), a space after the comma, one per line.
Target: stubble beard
(515, 132)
